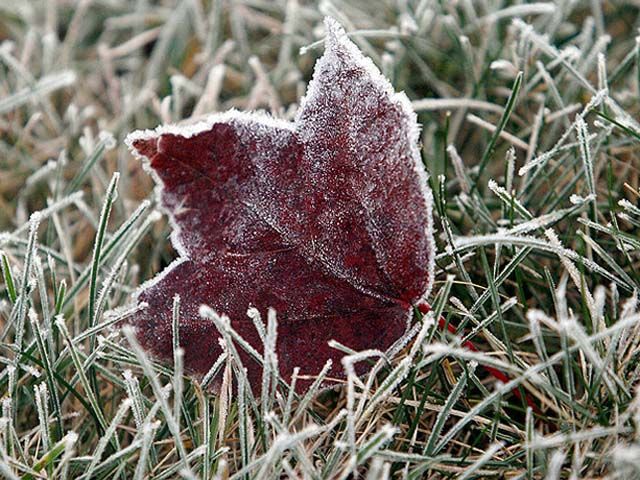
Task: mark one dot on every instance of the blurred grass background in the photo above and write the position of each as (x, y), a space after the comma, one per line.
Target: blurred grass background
(536, 183)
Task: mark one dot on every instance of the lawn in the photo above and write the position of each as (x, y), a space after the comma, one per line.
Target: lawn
(531, 139)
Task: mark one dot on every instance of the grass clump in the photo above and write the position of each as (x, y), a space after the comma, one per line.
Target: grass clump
(530, 133)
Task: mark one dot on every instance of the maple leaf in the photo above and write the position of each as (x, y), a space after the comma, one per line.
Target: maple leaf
(326, 219)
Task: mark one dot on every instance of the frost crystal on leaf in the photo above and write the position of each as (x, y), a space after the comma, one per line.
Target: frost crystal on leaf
(327, 220)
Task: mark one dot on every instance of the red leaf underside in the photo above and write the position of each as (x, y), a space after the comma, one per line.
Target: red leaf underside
(327, 220)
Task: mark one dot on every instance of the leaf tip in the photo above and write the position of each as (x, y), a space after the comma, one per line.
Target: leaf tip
(334, 32)
(142, 143)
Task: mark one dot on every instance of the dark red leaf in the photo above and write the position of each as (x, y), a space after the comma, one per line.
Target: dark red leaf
(327, 220)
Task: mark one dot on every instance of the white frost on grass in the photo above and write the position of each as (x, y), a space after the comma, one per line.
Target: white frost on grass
(564, 64)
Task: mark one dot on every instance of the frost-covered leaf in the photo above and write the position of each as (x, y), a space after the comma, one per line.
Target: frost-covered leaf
(327, 220)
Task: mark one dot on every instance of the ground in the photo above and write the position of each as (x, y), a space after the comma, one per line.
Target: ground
(530, 136)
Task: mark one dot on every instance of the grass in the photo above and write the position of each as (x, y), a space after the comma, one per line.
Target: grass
(530, 133)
